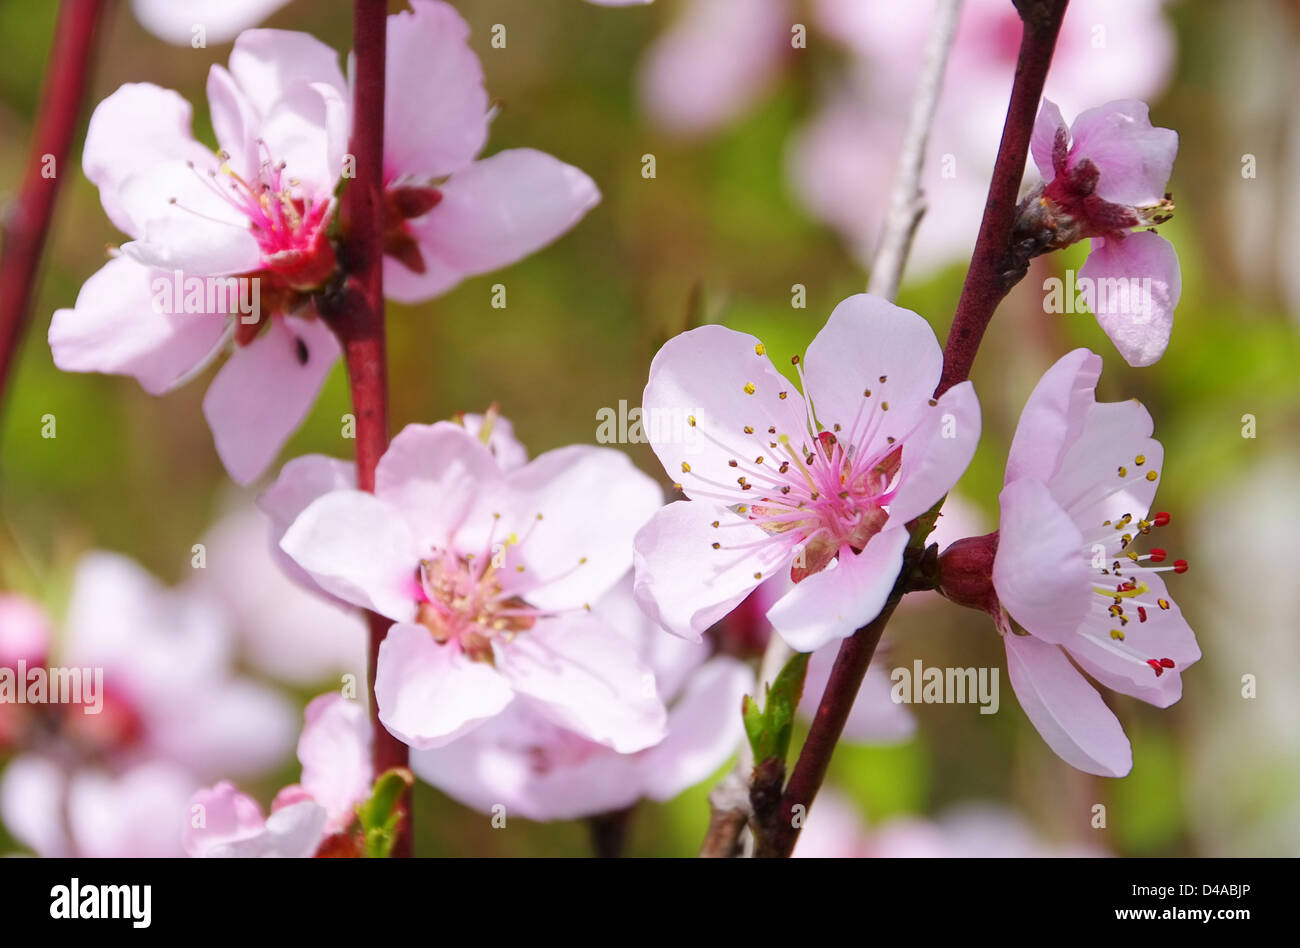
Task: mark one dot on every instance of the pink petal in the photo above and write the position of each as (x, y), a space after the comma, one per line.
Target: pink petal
(1042, 571)
(1065, 709)
(581, 676)
(1135, 159)
(1138, 315)
(937, 452)
(868, 337)
(836, 602)
(334, 750)
(25, 631)
(497, 211)
(1090, 485)
(174, 20)
(1053, 417)
(301, 481)
(31, 788)
(226, 815)
(291, 832)
(1043, 141)
(704, 729)
(183, 224)
(682, 582)
(141, 813)
(134, 129)
(265, 390)
(697, 404)
(115, 328)
(438, 121)
(307, 130)
(235, 121)
(429, 694)
(236, 728)
(268, 63)
(359, 548)
(505, 447)
(554, 500)
(433, 475)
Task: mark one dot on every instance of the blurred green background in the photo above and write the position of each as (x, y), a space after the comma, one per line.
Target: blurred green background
(716, 236)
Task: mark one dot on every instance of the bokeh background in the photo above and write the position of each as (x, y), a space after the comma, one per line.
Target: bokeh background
(722, 233)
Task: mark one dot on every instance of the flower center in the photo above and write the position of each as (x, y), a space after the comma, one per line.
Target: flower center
(815, 494)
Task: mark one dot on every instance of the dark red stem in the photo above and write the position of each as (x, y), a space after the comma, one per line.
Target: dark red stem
(992, 271)
(990, 277)
(67, 76)
(359, 321)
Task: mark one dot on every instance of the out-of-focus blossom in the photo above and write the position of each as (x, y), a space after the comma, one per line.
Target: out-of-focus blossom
(290, 633)
(178, 21)
(488, 576)
(170, 714)
(334, 751)
(1103, 177)
(843, 163)
(713, 63)
(819, 484)
(835, 829)
(544, 772)
(1081, 476)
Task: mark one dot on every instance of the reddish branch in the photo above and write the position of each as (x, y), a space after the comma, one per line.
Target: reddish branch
(66, 79)
(993, 271)
(359, 321)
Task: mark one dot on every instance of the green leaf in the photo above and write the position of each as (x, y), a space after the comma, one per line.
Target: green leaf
(769, 730)
(380, 816)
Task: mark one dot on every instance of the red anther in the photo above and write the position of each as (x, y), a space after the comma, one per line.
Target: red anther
(1180, 566)
(1159, 669)
(1126, 587)
(1142, 614)
(1167, 662)
(1160, 519)
(1158, 555)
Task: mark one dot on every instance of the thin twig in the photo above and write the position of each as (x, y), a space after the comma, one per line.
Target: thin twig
(359, 323)
(992, 274)
(906, 200)
(27, 223)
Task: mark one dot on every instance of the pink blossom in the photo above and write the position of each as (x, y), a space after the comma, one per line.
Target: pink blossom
(713, 63)
(820, 484)
(334, 750)
(842, 164)
(1103, 177)
(171, 713)
(1080, 480)
(260, 209)
(542, 771)
(488, 575)
(835, 829)
(174, 21)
